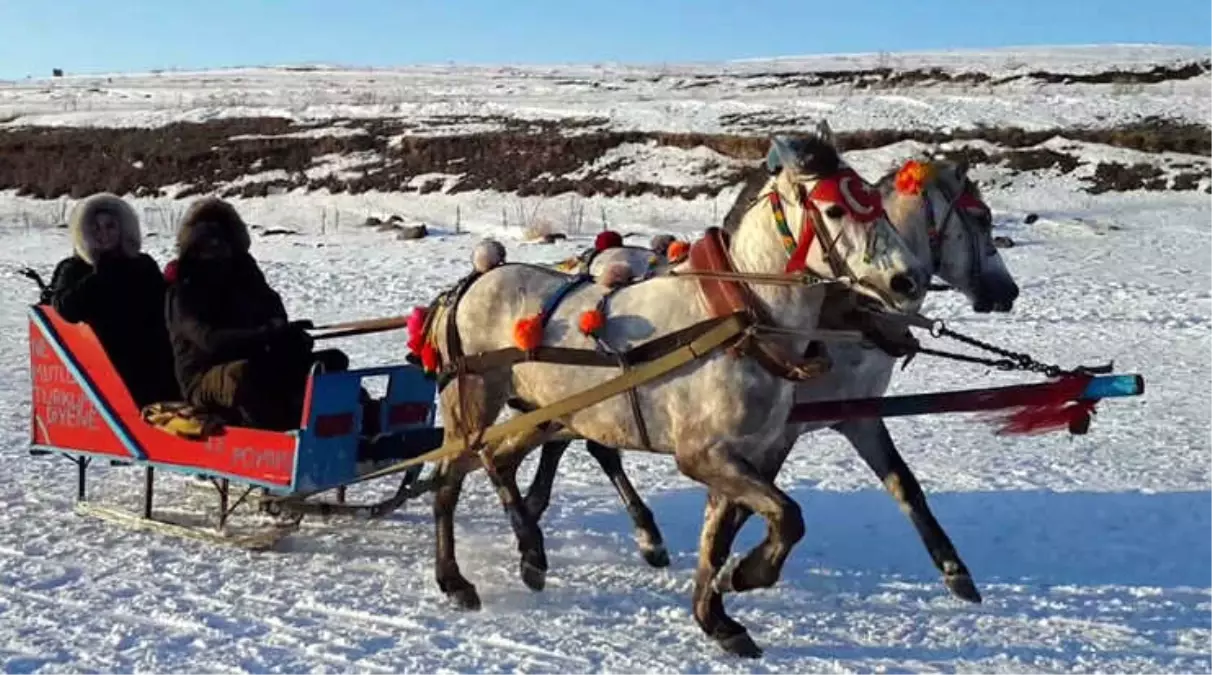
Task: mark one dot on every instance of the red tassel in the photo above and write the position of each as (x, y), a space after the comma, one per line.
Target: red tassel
(416, 328)
(1042, 419)
(1059, 410)
(429, 358)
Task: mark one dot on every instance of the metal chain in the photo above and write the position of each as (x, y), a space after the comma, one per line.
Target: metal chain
(1010, 360)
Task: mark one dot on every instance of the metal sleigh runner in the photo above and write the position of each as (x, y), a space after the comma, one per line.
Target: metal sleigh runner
(725, 349)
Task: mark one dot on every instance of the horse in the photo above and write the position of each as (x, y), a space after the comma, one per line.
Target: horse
(940, 212)
(718, 414)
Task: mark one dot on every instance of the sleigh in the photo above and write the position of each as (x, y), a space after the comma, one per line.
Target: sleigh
(81, 409)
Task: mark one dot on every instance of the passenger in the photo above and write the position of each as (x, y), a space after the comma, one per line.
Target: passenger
(237, 354)
(118, 291)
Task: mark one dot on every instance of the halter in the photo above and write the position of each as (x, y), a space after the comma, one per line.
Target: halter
(936, 228)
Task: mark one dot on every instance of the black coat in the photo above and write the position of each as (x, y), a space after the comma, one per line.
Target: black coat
(220, 314)
(122, 300)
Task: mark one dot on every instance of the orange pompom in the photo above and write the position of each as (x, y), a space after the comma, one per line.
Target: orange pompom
(528, 333)
(429, 358)
(912, 177)
(677, 251)
(591, 321)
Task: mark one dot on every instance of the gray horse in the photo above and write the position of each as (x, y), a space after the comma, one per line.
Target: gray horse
(940, 213)
(720, 416)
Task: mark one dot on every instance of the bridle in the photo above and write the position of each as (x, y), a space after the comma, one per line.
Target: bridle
(937, 228)
(813, 221)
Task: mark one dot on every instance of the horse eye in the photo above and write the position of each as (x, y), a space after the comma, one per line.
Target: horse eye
(835, 211)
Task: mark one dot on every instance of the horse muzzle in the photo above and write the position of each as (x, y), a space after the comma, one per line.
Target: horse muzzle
(995, 294)
(910, 286)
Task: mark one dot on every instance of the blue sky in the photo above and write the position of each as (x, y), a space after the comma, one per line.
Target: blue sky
(124, 35)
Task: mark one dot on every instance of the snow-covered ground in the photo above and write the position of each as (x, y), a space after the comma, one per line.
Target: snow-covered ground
(1094, 554)
(673, 97)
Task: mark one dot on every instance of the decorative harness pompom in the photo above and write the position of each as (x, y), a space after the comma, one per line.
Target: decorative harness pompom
(677, 251)
(528, 332)
(913, 177)
(591, 322)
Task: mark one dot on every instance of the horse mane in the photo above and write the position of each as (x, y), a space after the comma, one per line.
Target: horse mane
(755, 178)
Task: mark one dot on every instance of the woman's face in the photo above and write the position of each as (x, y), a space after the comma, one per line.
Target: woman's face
(212, 243)
(107, 232)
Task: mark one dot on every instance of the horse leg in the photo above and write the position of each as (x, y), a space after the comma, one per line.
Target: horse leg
(874, 444)
(449, 479)
(533, 564)
(538, 497)
(469, 404)
(721, 522)
(647, 535)
(735, 479)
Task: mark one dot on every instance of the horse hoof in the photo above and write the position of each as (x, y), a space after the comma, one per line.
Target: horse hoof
(656, 557)
(465, 599)
(533, 576)
(741, 645)
(961, 586)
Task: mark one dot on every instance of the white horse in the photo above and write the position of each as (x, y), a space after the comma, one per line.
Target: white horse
(940, 213)
(718, 415)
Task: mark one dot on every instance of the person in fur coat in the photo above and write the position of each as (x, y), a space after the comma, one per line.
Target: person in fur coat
(237, 354)
(109, 284)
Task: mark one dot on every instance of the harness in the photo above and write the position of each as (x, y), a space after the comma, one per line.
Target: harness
(738, 320)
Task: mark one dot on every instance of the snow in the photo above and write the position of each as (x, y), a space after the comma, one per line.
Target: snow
(1093, 553)
(652, 163)
(674, 97)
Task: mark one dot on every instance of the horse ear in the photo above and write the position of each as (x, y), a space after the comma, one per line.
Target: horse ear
(961, 168)
(781, 155)
(825, 132)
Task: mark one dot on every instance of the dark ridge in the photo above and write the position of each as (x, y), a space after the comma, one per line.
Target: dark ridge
(526, 157)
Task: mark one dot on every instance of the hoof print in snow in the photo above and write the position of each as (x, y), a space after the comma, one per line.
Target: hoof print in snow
(409, 232)
(1031, 218)
(278, 231)
(395, 218)
(1003, 242)
(372, 222)
(387, 227)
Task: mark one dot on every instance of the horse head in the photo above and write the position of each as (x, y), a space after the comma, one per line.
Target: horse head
(938, 207)
(831, 222)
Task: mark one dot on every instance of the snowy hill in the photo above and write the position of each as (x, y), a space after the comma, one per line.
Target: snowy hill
(1093, 553)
